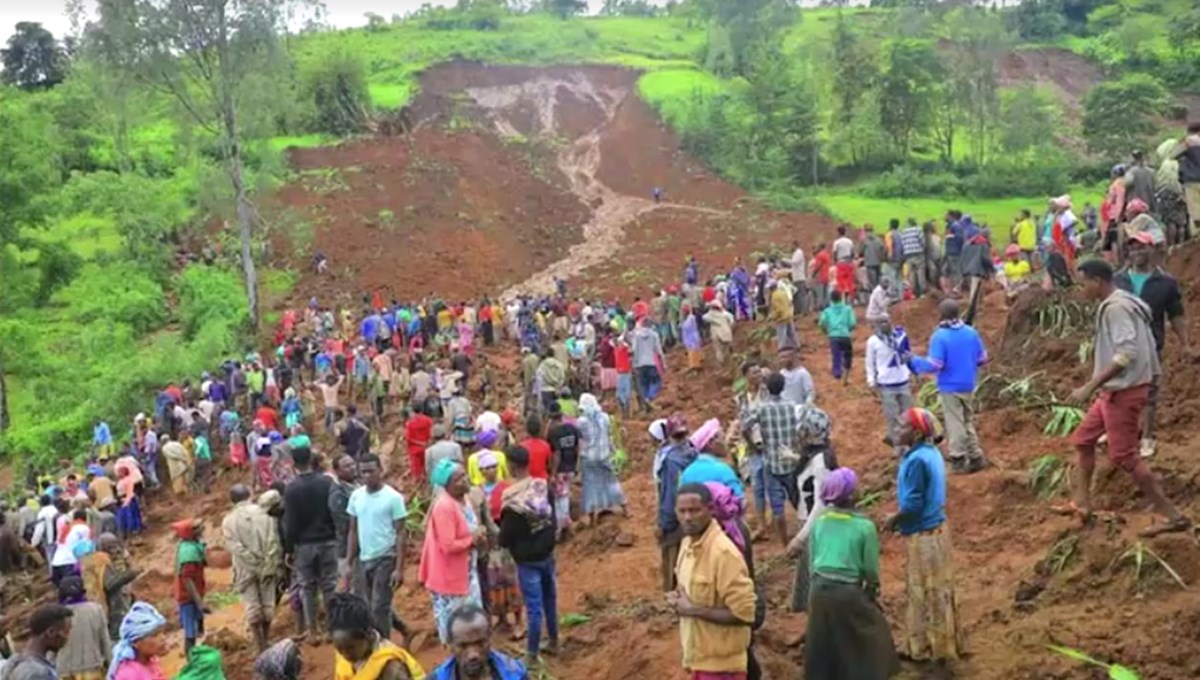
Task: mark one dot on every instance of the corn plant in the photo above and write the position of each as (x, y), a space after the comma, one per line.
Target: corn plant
(1115, 670)
(1062, 553)
(1063, 421)
(1048, 475)
(1137, 553)
(1021, 391)
(417, 507)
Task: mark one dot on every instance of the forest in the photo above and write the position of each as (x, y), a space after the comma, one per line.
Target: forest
(138, 150)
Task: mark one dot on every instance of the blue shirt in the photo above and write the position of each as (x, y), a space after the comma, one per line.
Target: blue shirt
(954, 239)
(503, 667)
(708, 468)
(955, 353)
(102, 436)
(369, 328)
(921, 490)
(376, 514)
(676, 459)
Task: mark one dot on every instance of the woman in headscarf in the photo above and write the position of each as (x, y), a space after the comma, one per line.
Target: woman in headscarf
(728, 509)
(601, 488)
(712, 464)
(453, 537)
(816, 460)
(1112, 209)
(362, 654)
(143, 642)
(848, 636)
(280, 661)
(292, 409)
(497, 571)
(486, 441)
(931, 621)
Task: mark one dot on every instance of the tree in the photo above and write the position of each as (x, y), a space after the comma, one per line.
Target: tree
(855, 73)
(786, 116)
(205, 54)
(1118, 114)
(745, 28)
(907, 86)
(978, 41)
(1029, 119)
(33, 59)
(1038, 20)
(337, 87)
(27, 165)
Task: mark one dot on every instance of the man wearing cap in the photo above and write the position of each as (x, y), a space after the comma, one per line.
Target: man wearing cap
(1160, 291)
(676, 456)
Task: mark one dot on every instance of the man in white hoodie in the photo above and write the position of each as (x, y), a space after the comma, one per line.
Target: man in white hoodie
(887, 372)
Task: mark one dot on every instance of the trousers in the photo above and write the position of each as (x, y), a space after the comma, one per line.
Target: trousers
(540, 590)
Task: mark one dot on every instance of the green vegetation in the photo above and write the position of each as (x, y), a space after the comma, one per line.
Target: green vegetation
(1115, 671)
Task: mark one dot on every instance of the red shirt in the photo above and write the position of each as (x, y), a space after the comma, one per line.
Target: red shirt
(641, 308)
(623, 360)
(418, 432)
(485, 313)
(268, 417)
(709, 294)
(190, 571)
(822, 263)
(539, 457)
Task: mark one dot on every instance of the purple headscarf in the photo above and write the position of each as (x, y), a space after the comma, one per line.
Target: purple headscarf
(727, 508)
(486, 438)
(839, 486)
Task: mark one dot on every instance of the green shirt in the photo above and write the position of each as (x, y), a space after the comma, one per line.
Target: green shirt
(202, 449)
(844, 546)
(674, 304)
(255, 380)
(838, 320)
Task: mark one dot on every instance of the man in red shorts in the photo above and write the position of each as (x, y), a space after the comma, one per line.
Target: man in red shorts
(1126, 363)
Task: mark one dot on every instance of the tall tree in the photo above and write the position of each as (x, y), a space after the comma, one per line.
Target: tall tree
(566, 8)
(786, 116)
(907, 85)
(33, 59)
(978, 40)
(1118, 114)
(855, 73)
(749, 26)
(205, 54)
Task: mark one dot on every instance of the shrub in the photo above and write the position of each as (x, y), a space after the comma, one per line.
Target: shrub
(115, 294)
(210, 295)
(905, 181)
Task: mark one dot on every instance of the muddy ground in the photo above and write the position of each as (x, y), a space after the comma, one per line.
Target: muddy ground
(520, 175)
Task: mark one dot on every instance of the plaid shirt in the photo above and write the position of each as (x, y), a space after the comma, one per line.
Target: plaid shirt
(779, 424)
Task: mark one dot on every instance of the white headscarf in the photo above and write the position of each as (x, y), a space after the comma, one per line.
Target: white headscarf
(588, 404)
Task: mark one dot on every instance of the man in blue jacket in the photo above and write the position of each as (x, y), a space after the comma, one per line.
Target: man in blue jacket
(956, 352)
(470, 640)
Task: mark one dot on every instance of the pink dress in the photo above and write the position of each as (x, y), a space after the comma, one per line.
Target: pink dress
(466, 339)
(135, 670)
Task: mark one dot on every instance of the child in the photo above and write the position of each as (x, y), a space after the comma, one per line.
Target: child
(838, 323)
(189, 579)
(503, 595)
(690, 332)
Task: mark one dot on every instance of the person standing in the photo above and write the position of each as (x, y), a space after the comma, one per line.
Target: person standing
(848, 636)
(1024, 236)
(528, 531)
(797, 381)
(956, 352)
(552, 377)
(1187, 153)
(716, 599)
(453, 538)
(838, 323)
(669, 464)
(472, 656)
(799, 273)
(931, 619)
(443, 448)
(879, 301)
(843, 260)
(88, 649)
(1124, 368)
(309, 536)
(190, 583)
(874, 253)
(912, 249)
(252, 539)
(345, 481)
(720, 326)
(418, 435)
(564, 441)
(1161, 293)
(648, 358)
(781, 315)
(623, 362)
(377, 536)
(818, 279)
(778, 425)
(49, 630)
(888, 373)
(601, 489)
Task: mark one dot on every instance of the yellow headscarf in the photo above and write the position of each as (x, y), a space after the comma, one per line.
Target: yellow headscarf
(384, 654)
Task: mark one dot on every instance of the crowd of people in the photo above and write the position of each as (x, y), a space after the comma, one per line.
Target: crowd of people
(313, 523)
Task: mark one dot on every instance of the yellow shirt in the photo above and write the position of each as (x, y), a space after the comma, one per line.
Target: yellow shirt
(1026, 234)
(475, 474)
(713, 573)
(384, 654)
(444, 319)
(1016, 272)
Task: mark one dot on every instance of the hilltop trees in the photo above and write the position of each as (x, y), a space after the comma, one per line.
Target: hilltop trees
(1117, 114)
(33, 59)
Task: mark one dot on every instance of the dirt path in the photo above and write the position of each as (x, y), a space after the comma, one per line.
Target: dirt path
(579, 161)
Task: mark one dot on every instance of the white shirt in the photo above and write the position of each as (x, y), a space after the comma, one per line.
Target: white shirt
(64, 554)
(884, 367)
(488, 421)
(843, 249)
(817, 471)
(877, 304)
(798, 385)
(44, 531)
(799, 266)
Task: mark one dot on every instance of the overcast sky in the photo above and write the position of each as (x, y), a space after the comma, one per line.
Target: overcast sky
(341, 13)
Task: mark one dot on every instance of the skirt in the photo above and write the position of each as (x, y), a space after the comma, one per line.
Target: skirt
(931, 618)
(848, 636)
(445, 605)
(129, 517)
(562, 498)
(845, 278)
(601, 488)
(801, 583)
(608, 379)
